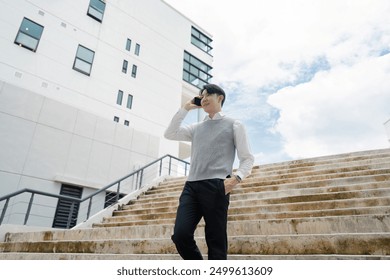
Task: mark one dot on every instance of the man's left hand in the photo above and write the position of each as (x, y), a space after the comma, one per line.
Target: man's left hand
(230, 183)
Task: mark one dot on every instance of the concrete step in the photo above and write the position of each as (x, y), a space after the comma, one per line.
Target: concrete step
(260, 185)
(169, 218)
(344, 244)
(178, 186)
(332, 207)
(160, 221)
(324, 168)
(308, 225)
(286, 174)
(82, 256)
(261, 192)
(259, 199)
(350, 160)
(340, 159)
(278, 205)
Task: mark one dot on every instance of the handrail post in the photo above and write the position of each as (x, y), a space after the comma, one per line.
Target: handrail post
(29, 208)
(161, 163)
(170, 164)
(89, 207)
(117, 191)
(140, 180)
(136, 180)
(4, 210)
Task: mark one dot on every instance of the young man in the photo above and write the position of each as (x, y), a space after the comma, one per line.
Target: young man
(207, 189)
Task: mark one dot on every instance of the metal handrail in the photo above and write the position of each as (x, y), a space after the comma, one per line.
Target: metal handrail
(138, 173)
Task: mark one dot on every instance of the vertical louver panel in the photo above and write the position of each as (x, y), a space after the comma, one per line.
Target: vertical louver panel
(64, 207)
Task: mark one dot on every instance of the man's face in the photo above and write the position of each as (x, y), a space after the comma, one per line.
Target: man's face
(211, 103)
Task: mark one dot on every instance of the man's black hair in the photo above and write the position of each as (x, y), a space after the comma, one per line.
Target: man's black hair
(212, 88)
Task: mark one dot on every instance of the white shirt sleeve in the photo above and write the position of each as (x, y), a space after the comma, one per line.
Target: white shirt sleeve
(244, 154)
(177, 132)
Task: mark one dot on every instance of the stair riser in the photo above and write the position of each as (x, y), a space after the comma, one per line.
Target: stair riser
(156, 257)
(328, 225)
(256, 216)
(305, 214)
(335, 162)
(286, 174)
(316, 164)
(324, 168)
(374, 244)
(283, 192)
(307, 191)
(249, 187)
(260, 199)
(330, 160)
(261, 207)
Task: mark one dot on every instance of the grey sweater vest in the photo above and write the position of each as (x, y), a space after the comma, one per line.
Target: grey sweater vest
(213, 150)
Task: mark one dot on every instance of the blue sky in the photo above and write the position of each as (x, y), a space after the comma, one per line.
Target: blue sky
(307, 77)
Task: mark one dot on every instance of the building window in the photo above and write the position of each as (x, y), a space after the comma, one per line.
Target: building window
(116, 119)
(128, 44)
(126, 123)
(195, 71)
(134, 71)
(83, 61)
(119, 97)
(29, 35)
(129, 101)
(124, 66)
(96, 9)
(200, 40)
(137, 49)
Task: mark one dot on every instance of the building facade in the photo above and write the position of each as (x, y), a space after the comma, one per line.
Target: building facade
(87, 89)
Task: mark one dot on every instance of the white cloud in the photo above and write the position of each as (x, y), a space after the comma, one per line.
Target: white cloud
(323, 62)
(254, 39)
(342, 110)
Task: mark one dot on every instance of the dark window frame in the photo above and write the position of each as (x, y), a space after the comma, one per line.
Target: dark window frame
(129, 103)
(119, 97)
(128, 44)
(95, 8)
(195, 71)
(30, 34)
(124, 66)
(137, 49)
(83, 60)
(200, 40)
(134, 71)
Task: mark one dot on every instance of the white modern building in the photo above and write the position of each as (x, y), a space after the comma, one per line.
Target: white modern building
(87, 89)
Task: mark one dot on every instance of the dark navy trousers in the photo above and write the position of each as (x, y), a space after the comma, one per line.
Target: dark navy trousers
(205, 199)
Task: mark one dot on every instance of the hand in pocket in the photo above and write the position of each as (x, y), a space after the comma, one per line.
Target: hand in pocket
(230, 183)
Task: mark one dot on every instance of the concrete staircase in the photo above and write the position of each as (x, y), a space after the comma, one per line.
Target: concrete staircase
(334, 207)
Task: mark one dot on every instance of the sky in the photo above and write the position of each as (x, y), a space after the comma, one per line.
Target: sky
(308, 78)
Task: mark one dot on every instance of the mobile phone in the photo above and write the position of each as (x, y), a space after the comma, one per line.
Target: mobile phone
(197, 100)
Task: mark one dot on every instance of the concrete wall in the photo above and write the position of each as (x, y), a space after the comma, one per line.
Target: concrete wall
(45, 143)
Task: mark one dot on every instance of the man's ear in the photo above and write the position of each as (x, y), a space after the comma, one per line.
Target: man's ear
(220, 98)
